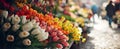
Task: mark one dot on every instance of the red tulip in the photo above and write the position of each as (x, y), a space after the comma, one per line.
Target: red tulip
(25, 8)
(28, 17)
(12, 8)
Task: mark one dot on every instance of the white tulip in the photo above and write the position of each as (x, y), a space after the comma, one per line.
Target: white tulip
(33, 21)
(27, 42)
(24, 34)
(28, 20)
(15, 27)
(6, 26)
(36, 31)
(40, 34)
(43, 36)
(15, 19)
(5, 13)
(10, 18)
(36, 25)
(42, 30)
(24, 19)
(27, 27)
(10, 38)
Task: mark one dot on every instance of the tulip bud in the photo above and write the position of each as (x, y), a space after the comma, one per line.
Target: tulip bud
(15, 20)
(27, 27)
(24, 19)
(6, 26)
(5, 13)
(59, 46)
(42, 36)
(15, 27)
(65, 44)
(24, 34)
(55, 38)
(10, 18)
(10, 38)
(27, 42)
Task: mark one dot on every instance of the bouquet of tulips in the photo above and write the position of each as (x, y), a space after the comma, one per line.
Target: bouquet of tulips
(19, 32)
(29, 29)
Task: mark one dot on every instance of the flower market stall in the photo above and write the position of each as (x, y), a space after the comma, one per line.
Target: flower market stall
(36, 24)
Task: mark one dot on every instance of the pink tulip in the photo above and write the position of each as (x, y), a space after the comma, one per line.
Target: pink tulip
(62, 37)
(37, 19)
(59, 33)
(55, 38)
(65, 44)
(48, 29)
(59, 46)
(63, 40)
(52, 34)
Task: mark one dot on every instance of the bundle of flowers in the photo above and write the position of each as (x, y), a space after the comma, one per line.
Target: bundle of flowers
(19, 32)
(80, 21)
(59, 29)
(28, 29)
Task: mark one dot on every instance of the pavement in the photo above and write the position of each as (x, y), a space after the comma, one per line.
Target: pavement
(102, 36)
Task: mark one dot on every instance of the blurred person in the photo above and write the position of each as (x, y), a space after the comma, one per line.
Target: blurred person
(110, 9)
(94, 9)
(99, 11)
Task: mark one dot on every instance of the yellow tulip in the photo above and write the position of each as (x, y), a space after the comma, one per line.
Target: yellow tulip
(83, 39)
